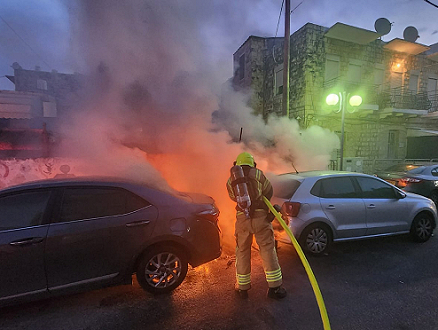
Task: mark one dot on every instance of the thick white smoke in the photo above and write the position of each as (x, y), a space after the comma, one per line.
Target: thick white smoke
(153, 88)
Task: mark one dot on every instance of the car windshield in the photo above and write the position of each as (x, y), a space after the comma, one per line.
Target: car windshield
(418, 170)
(402, 167)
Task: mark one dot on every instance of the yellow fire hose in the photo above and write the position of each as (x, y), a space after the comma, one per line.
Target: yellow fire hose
(312, 279)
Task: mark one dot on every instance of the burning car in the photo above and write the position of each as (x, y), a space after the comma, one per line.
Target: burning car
(67, 235)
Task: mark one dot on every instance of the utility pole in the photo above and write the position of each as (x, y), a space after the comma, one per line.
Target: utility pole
(286, 60)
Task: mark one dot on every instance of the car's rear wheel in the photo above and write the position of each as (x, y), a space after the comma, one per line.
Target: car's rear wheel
(316, 239)
(422, 227)
(162, 269)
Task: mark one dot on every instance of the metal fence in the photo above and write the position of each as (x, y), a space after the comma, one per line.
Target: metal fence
(370, 166)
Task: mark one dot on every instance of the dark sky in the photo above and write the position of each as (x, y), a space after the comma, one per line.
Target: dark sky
(221, 26)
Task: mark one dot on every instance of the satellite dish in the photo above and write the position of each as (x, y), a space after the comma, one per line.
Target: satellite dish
(410, 34)
(382, 26)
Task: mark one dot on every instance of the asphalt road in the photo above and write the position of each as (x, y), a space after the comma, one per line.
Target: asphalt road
(388, 283)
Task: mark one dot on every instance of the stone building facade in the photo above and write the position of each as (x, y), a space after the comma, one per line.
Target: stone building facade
(397, 81)
(62, 88)
(29, 115)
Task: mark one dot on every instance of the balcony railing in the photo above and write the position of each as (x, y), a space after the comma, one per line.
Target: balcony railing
(403, 98)
(434, 102)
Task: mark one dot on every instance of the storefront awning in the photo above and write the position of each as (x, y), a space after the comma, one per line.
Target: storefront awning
(15, 111)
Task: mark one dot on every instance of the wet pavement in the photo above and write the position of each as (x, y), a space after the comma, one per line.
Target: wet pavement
(389, 283)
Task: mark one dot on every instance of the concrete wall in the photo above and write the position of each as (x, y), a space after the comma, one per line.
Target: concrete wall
(64, 88)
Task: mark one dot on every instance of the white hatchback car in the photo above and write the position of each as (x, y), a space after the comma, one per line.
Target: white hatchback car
(325, 206)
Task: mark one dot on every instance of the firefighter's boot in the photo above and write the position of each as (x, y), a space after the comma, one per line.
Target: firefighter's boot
(277, 293)
(243, 294)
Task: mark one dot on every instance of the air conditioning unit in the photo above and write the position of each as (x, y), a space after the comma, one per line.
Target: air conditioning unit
(353, 164)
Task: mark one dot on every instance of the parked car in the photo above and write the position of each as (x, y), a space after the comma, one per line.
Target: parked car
(322, 207)
(60, 236)
(394, 173)
(423, 181)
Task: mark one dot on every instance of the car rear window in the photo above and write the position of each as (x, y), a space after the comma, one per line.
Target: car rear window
(286, 189)
(417, 170)
(402, 167)
(23, 209)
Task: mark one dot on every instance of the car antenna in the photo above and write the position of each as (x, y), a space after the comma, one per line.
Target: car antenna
(294, 168)
(291, 161)
(240, 139)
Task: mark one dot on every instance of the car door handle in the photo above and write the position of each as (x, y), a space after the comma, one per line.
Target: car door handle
(137, 223)
(371, 206)
(331, 207)
(27, 241)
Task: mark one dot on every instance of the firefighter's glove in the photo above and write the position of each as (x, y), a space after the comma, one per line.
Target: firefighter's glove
(270, 216)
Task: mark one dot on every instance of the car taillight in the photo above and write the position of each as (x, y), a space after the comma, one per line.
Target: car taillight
(405, 181)
(210, 214)
(291, 208)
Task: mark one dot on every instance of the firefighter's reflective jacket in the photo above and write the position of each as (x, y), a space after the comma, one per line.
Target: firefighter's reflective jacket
(258, 186)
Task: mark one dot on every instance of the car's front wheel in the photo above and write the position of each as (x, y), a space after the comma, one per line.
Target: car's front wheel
(422, 227)
(162, 269)
(316, 239)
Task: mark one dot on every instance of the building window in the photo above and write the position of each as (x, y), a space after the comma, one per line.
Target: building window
(331, 67)
(278, 81)
(432, 87)
(379, 78)
(49, 109)
(413, 83)
(396, 80)
(392, 144)
(242, 66)
(42, 84)
(354, 71)
(396, 89)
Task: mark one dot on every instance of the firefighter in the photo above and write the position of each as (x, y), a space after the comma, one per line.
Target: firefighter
(252, 220)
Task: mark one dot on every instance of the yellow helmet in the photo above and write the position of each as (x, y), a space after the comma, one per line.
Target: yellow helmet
(245, 158)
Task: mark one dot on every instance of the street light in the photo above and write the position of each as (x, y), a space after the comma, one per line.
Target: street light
(341, 98)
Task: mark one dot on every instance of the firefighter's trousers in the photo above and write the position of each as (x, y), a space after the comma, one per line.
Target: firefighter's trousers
(261, 228)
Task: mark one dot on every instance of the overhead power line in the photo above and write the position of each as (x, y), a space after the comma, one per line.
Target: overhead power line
(278, 24)
(429, 2)
(279, 17)
(24, 41)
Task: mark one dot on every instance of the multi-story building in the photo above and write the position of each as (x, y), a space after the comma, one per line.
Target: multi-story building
(397, 81)
(29, 114)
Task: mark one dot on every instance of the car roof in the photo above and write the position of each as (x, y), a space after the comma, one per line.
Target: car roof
(422, 170)
(77, 181)
(402, 166)
(308, 174)
(429, 165)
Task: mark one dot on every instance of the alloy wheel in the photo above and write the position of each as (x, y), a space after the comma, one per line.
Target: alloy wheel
(163, 270)
(317, 240)
(423, 228)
